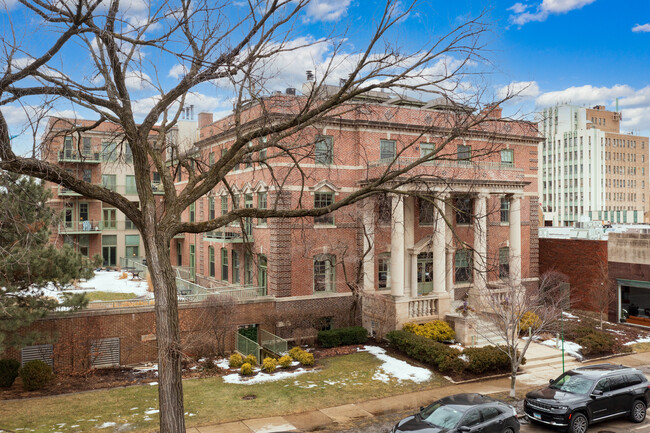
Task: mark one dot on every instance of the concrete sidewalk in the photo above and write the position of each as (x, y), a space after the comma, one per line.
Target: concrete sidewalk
(543, 363)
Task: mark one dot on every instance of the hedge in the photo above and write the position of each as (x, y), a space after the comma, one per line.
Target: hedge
(343, 336)
(8, 372)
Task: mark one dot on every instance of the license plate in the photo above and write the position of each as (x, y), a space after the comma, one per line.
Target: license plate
(537, 415)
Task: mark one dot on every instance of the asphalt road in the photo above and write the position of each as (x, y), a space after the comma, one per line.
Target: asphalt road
(383, 424)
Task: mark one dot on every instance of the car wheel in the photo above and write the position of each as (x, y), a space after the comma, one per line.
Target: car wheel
(579, 423)
(637, 414)
(508, 430)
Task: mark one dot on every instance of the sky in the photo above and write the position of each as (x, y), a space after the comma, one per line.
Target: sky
(583, 52)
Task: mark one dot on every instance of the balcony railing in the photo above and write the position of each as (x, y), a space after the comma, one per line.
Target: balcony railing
(83, 157)
(403, 161)
(117, 225)
(227, 237)
(157, 188)
(66, 192)
(82, 227)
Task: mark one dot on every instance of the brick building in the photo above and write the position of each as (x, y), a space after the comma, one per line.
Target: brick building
(484, 184)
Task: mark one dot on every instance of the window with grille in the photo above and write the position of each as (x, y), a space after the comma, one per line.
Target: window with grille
(463, 207)
(261, 204)
(324, 150)
(224, 264)
(324, 273)
(507, 157)
(383, 271)
(464, 152)
(384, 208)
(211, 263)
(505, 210)
(130, 185)
(387, 149)
(426, 210)
(323, 199)
(504, 262)
(463, 268)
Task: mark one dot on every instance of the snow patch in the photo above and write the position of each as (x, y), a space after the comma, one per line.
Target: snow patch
(235, 378)
(571, 348)
(639, 340)
(153, 383)
(106, 425)
(222, 363)
(151, 411)
(569, 315)
(396, 368)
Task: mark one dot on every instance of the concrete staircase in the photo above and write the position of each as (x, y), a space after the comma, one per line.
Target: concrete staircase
(544, 363)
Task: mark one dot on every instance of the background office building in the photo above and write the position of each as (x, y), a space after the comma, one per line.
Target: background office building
(588, 167)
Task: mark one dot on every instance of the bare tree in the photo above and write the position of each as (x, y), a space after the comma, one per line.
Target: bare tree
(599, 295)
(233, 49)
(507, 305)
(220, 318)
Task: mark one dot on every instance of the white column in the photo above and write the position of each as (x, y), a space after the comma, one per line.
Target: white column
(480, 241)
(397, 247)
(369, 246)
(414, 274)
(515, 239)
(409, 241)
(450, 270)
(439, 246)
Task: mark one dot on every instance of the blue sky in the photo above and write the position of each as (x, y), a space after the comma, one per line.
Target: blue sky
(584, 52)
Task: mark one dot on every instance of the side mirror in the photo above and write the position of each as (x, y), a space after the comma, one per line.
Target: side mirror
(464, 428)
(550, 381)
(421, 408)
(596, 393)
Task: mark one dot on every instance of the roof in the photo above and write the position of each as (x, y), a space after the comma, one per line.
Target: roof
(600, 369)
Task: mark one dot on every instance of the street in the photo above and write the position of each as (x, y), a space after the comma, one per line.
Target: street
(383, 424)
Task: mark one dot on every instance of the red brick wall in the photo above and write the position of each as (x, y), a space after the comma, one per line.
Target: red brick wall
(583, 261)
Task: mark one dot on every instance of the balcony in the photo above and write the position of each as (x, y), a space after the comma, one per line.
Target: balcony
(227, 237)
(80, 227)
(83, 157)
(108, 225)
(157, 188)
(66, 192)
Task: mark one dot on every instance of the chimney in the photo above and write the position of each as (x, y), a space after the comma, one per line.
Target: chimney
(310, 75)
(291, 91)
(204, 119)
(492, 111)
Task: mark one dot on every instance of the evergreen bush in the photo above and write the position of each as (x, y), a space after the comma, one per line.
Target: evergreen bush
(236, 360)
(8, 372)
(343, 336)
(35, 375)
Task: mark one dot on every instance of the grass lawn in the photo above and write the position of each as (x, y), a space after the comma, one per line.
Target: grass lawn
(342, 380)
(641, 347)
(109, 296)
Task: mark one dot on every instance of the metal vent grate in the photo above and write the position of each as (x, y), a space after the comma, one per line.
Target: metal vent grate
(105, 352)
(41, 352)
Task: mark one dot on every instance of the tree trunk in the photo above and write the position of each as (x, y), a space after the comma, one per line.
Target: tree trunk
(170, 386)
(513, 383)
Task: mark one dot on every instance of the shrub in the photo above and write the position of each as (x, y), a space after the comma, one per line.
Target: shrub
(488, 358)
(250, 359)
(35, 375)
(246, 369)
(285, 361)
(425, 350)
(235, 360)
(343, 336)
(529, 320)
(306, 359)
(208, 364)
(598, 342)
(437, 330)
(8, 372)
(269, 364)
(295, 353)
(452, 364)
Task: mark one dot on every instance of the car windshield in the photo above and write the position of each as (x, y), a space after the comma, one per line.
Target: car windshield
(573, 383)
(441, 416)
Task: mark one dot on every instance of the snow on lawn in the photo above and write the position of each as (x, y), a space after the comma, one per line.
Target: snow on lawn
(569, 315)
(108, 281)
(571, 348)
(639, 340)
(396, 368)
(235, 378)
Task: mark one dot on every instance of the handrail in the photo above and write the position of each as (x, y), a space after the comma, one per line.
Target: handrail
(246, 346)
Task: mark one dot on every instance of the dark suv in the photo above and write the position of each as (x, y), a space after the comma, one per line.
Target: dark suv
(590, 394)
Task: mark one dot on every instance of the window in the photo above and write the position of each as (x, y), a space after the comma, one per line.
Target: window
(463, 269)
(109, 152)
(109, 181)
(384, 208)
(387, 149)
(211, 208)
(87, 176)
(383, 271)
(504, 262)
(109, 220)
(86, 146)
(211, 158)
(508, 157)
(130, 185)
(464, 153)
(224, 264)
(426, 210)
(463, 210)
(323, 199)
(211, 263)
(235, 267)
(179, 254)
(128, 154)
(248, 269)
(179, 174)
(324, 275)
(505, 209)
(109, 250)
(192, 212)
(156, 177)
(132, 243)
(324, 151)
(84, 245)
(261, 204)
(248, 221)
(426, 149)
(471, 418)
(224, 205)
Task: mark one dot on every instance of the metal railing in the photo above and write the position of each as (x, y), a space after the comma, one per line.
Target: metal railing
(63, 191)
(246, 346)
(74, 156)
(403, 161)
(273, 343)
(183, 272)
(80, 226)
(135, 263)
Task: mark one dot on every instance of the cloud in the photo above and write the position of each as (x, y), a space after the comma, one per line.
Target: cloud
(201, 102)
(137, 80)
(543, 10)
(641, 28)
(178, 71)
(327, 10)
(519, 89)
(586, 94)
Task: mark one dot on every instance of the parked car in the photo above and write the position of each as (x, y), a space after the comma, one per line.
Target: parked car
(462, 413)
(590, 394)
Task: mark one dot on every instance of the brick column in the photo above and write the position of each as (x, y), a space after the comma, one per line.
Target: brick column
(279, 260)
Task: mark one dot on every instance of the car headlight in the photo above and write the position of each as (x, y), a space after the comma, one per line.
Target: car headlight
(514, 411)
(561, 407)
